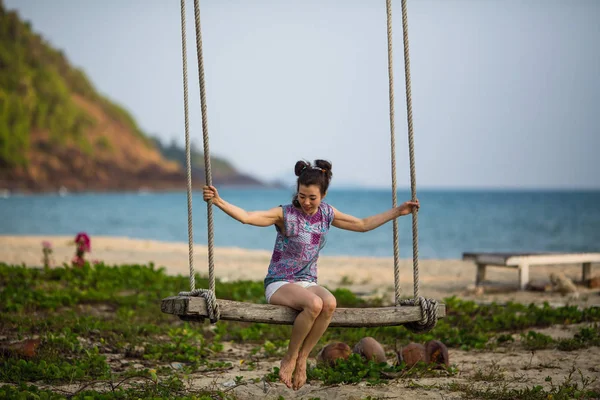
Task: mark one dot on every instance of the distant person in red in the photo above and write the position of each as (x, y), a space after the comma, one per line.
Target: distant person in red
(83, 245)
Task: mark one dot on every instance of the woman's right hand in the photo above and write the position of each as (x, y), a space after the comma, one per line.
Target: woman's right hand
(211, 193)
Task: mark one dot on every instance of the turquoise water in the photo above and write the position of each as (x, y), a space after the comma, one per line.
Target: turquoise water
(450, 222)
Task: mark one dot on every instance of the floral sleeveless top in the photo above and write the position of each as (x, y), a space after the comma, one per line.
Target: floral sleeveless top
(297, 249)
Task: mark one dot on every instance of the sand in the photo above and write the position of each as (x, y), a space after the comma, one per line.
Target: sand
(363, 275)
(512, 367)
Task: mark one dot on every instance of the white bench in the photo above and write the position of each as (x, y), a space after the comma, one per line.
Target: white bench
(522, 262)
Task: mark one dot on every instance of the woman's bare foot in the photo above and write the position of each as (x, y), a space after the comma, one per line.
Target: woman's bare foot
(300, 373)
(286, 370)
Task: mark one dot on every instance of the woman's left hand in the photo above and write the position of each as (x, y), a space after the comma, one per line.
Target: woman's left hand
(408, 206)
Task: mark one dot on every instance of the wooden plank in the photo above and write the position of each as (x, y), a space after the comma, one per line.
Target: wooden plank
(559, 258)
(493, 257)
(515, 259)
(487, 258)
(194, 307)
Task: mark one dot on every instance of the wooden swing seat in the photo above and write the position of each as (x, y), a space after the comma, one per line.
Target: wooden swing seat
(193, 308)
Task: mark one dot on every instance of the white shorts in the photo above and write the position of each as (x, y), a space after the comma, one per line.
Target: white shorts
(273, 287)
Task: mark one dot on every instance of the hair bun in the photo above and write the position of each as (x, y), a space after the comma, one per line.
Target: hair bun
(324, 165)
(300, 167)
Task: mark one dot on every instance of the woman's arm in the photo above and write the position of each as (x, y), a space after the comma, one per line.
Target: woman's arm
(256, 218)
(351, 223)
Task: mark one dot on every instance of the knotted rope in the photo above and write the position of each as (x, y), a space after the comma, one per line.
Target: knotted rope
(208, 295)
(428, 307)
(429, 315)
(211, 302)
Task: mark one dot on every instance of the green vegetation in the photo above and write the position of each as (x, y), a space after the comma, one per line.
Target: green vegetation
(36, 88)
(586, 337)
(355, 370)
(99, 327)
(574, 386)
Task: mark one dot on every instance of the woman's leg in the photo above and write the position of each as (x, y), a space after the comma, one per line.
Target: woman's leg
(310, 305)
(317, 330)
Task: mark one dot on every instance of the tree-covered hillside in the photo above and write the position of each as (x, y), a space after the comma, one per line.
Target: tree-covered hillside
(36, 88)
(56, 130)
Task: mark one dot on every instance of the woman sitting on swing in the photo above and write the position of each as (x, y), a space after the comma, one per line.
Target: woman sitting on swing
(291, 280)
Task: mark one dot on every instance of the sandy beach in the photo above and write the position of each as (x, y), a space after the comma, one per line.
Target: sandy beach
(363, 275)
(511, 366)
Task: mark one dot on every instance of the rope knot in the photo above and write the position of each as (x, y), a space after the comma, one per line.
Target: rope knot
(428, 314)
(211, 302)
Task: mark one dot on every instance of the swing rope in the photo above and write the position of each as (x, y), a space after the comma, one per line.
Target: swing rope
(393, 155)
(428, 306)
(209, 295)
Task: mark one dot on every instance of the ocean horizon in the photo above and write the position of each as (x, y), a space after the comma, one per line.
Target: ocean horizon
(451, 221)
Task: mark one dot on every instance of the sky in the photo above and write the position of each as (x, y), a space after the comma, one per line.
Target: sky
(505, 94)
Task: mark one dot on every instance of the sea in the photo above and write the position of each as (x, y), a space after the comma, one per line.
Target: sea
(450, 222)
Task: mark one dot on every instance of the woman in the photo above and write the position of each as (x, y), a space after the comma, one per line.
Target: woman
(291, 280)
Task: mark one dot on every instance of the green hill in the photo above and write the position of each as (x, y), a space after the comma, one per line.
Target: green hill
(56, 130)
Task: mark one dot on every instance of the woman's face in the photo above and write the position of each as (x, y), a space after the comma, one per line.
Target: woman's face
(309, 198)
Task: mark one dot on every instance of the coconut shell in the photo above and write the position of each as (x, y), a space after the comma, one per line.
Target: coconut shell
(332, 352)
(412, 354)
(370, 349)
(24, 349)
(436, 352)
